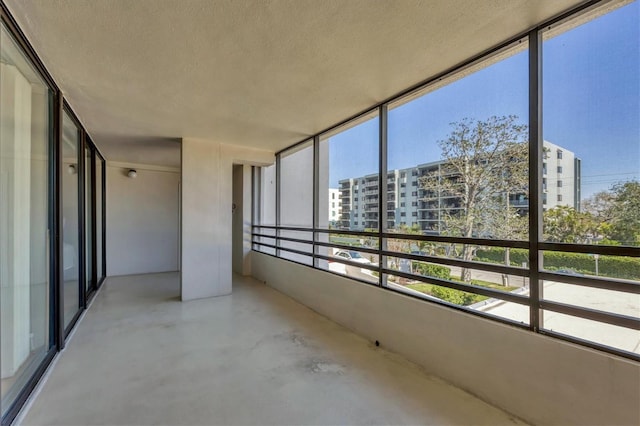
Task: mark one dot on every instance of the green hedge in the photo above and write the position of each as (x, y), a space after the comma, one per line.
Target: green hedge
(608, 266)
(455, 296)
(431, 270)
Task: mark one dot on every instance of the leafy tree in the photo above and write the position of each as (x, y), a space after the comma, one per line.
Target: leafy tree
(483, 161)
(617, 213)
(564, 224)
(625, 213)
(401, 245)
(509, 224)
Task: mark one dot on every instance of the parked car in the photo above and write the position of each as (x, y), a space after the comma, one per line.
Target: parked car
(351, 255)
(570, 272)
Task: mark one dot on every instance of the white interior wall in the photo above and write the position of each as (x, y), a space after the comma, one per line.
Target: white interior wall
(207, 198)
(540, 379)
(142, 219)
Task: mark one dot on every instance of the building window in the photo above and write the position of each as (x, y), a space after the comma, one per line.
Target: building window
(414, 213)
(402, 204)
(559, 154)
(559, 184)
(559, 197)
(559, 169)
(403, 194)
(403, 214)
(414, 203)
(414, 193)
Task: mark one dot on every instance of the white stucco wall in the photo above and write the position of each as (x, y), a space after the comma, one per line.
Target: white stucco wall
(539, 379)
(142, 219)
(207, 176)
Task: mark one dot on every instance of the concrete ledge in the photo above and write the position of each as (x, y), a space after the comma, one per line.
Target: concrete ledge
(539, 379)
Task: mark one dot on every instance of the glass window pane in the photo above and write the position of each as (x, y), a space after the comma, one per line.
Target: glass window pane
(296, 186)
(348, 172)
(591, 170)
(268, 195)
(457, 153)
(25, 110)
(70, 235)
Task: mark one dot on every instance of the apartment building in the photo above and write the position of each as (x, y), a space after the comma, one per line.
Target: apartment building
(408, 203)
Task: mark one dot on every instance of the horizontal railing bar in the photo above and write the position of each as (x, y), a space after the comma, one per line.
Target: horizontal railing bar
(483, 291)
(368, 266)
(294, 240)
(347, 232)
(300, 252)
(351, 248)
(509, 270)
(592, 314)
(591, 249)
(458, 240)
(285, 228)
(263, 235)
(627, 287)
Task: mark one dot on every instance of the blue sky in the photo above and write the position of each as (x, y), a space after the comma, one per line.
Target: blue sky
(591, 100)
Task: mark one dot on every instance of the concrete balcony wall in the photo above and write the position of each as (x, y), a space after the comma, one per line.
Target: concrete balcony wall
(539, 379)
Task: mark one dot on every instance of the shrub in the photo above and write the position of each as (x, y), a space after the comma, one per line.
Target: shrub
(609, 266)
(431, 270)
(454, 296)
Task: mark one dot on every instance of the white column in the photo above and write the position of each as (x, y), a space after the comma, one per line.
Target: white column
(207, 198)
(203, 223)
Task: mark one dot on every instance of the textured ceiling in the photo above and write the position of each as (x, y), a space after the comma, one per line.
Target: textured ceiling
(263, 73)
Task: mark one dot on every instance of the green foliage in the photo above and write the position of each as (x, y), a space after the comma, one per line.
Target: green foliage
(564, 224)
(431, 270)
(609, 266)
(625, 213)
(496, 255)
(454, 296)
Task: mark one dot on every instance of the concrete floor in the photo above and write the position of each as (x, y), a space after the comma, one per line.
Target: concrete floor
(140, 356)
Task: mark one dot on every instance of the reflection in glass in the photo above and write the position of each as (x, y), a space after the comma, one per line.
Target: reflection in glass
(70, 237)
(25, 106)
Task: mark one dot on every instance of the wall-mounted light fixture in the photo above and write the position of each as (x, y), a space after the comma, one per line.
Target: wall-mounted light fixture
(72, 169)
(132, 173)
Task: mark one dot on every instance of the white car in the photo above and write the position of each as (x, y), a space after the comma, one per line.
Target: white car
(353, 256)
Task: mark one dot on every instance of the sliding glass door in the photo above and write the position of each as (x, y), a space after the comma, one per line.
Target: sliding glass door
(71, 143)
(25, 220)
